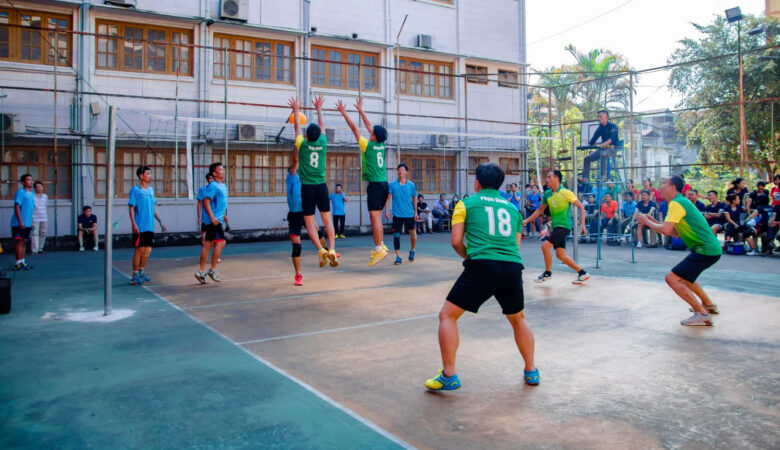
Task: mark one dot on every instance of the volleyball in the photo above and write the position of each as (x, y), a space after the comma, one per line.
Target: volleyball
(301, 118)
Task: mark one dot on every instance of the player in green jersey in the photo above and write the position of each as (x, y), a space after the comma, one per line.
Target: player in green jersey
(559, 200)
(310, 157)
(372, 151)
(492, 267)
(686, 222)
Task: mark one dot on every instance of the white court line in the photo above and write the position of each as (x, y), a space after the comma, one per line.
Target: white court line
(366, 325)
(381, 431)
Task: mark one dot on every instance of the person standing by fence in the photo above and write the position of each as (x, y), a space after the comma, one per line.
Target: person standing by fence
(39, 219)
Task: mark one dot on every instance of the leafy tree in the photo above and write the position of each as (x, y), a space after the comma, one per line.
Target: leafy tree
(715, 80)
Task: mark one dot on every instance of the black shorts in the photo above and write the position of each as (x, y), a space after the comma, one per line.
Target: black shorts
(314, 196)
(145, 239)
(400, 222)
(215, 233)
(693, 265)
(294, 223)
(377, 192)
(21, 233)
(203, 227)
(558, 237)
(483, 278)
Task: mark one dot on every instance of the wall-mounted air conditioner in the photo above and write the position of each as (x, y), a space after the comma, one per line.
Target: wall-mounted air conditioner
(442, 140)
(234, 9)
(125, 3)
(11, 123)
(248, 132)
(330, 134)
(425, 40)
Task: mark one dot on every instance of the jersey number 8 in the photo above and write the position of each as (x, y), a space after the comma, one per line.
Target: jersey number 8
(504, 221)
(314, 159)
(380, 161)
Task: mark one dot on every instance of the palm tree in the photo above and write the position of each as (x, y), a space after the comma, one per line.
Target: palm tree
(600, 86)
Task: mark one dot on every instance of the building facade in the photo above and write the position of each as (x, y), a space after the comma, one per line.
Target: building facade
(197, 81)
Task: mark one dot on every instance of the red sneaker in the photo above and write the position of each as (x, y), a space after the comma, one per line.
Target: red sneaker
(298, 279)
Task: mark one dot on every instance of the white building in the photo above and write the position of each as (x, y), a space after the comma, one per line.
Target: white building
(164, 58)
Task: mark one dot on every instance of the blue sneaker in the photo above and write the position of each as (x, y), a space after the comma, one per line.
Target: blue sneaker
(136, 280)
(411, 256)
(22, 266)
(532, 377)
(398, 260)
(143, 276)
(442, 383)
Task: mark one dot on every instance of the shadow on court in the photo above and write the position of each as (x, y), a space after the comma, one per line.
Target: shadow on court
(341, 360)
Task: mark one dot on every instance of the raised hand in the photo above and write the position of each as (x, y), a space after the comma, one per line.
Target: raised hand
(294, 104)
(318, 101)
(359, 104)
(341, 107)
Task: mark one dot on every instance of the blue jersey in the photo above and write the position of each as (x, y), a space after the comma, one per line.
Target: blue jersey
(25, 200)
(293, 183)
(403, 206)
(204, 218)
(217, 193)
(628, 208)
(337, 200)
(514, 198)
(142, 201)
(533, 200)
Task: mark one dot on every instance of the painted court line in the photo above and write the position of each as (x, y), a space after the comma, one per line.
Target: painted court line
(391, 437)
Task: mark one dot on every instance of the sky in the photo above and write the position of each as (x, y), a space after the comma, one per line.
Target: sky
(646, 32)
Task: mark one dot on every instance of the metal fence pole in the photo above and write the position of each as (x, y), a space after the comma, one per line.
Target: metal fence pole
(631, 122)
(176, 131)
(575, 225)
(56, 153)
(466, 126)
(110, 150)
(226, 69)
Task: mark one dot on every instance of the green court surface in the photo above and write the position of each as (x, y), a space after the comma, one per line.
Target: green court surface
(255, 362)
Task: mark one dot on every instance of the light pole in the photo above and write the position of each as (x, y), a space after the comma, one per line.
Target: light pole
(735, 15)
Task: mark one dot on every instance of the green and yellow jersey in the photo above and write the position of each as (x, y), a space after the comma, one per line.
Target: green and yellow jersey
(311, 159)
(558, 203)
(491, 225)
(692, 227)
(373, 156)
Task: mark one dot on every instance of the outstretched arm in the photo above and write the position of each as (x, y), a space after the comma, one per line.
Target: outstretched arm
(296, 107)
(343, 110)
(359, 106)
(318, 102)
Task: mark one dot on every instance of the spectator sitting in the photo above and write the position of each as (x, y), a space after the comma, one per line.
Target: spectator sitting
(453, 203)
(740, 190)
(733, 228)
(612, 189)
(758, 221)
(607, 217)
(87, 223)
(751, 202)
(648, 207)
(631, 188)
(627, 212)
(441, 210)
(714, 212)
(424, 214)
(775, 190)
(693, 196)
(774, 221)
(655, 194)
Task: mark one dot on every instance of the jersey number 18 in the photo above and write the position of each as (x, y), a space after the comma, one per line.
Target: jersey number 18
(504, 221)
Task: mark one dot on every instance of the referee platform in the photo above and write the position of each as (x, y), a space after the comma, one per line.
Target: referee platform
(255, 362)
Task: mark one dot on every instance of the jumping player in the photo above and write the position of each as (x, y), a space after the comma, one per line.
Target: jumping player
(559, 199)
(492, 267)
(310, 157)
(403, 198)
(142, 216)
(295, 218)
(373, 157)
(215, 202)
(685, 220)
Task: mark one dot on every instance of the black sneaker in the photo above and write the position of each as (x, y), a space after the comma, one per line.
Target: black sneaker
(543, 277)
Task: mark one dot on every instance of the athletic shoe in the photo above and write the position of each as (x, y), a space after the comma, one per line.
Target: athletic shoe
(753, 252)
(411, 256)
(342, 236)
(201, 277)
(376, 257)
(81, 249)
(334, 258)
(442, 383)
(323, 257)
(398, 260)
(531, 377)
(22, 266)
(384, 247)
(638, 245)
(698, 320)
(298, 279)
(214, 275)
(136, 280)
(543, 277)
(95, 249)
(581, 278)
(712, 309)
(143, 276)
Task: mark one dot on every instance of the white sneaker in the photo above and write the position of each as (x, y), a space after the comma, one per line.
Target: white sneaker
(81, 249)
(638, 245)
(698, 320)
(95, 248)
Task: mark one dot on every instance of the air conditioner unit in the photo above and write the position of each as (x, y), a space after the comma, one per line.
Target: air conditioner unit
(125, 3)
(330, 134)
(425, 40)
(10, 123)
(441, 140)
(234, 9)
(248, 132)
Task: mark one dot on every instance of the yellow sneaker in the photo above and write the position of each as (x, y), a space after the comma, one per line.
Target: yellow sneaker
(323, 257)
(376, 257)
(442, 383)
(334, 258)
(384, 247)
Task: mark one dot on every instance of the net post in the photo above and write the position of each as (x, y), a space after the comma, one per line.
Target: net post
(110, 150)
(575, 226)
